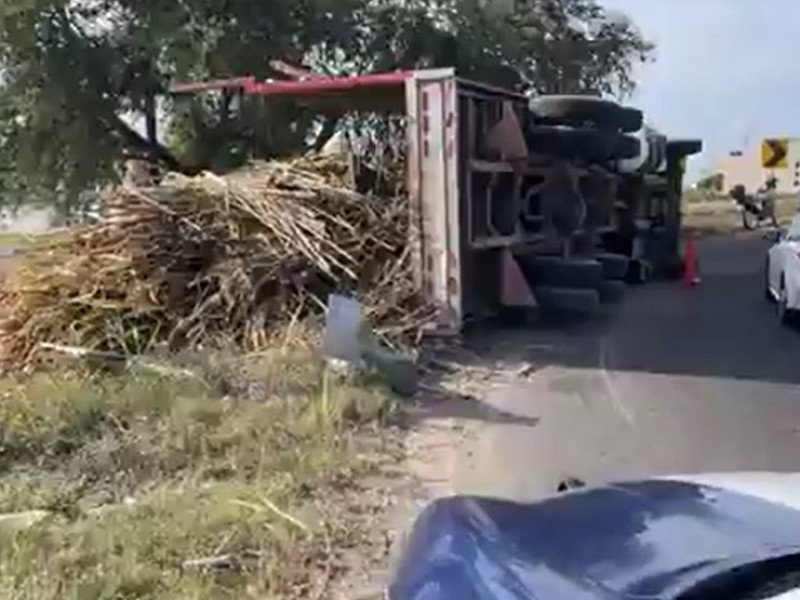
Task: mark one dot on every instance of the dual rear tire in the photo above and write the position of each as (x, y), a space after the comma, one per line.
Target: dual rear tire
(594, 130)
(575, 286)
(585, 128)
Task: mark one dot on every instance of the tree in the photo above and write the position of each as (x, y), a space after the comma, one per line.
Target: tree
(575, 46)
(75, 72)
(711, 183)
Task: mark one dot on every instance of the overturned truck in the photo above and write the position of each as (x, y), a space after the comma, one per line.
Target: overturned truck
(556, 202)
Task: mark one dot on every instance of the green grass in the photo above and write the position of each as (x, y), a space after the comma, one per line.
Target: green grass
(9, 239)
(141, 475)
(692, 196)
(16, 240)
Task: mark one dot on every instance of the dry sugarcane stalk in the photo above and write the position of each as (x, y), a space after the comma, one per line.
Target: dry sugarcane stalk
(197, 258)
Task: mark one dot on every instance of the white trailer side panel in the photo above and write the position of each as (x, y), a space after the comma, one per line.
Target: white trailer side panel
(432, 110)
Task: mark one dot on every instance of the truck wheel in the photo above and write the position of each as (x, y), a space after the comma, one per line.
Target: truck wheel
(749, 220)
(684, 147)
(567, 301)
(583, 110)
(612, 291)
(615, 266)
(767, 293)
(656, 150)
(786, 316)
(552, 271)
(626, 146)
(569, 143)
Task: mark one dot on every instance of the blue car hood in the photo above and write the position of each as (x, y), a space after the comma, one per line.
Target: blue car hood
(650, 539)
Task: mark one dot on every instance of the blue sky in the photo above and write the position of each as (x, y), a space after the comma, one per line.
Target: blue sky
(727, 71)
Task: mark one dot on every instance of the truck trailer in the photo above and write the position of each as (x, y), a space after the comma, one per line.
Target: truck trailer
(553, 202)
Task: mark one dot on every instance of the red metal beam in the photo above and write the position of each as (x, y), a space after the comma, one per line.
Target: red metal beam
(308, 87)
(236, 83)
(325, 85)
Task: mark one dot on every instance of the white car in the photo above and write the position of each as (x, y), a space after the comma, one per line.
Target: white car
(782, 278)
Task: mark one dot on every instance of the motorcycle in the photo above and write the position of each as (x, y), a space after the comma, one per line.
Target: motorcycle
(756, 209)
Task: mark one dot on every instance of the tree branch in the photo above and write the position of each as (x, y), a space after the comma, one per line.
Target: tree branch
(137, 142)
(326, 132)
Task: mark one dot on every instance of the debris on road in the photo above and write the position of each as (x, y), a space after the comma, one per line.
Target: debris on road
(196, 258)
(349, 344)
(398, 370)
(526, 370)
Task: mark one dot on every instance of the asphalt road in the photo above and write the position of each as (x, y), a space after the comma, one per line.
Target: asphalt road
(673, 381)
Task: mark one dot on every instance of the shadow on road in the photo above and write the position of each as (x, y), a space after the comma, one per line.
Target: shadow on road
(443, 403)
(723, 328)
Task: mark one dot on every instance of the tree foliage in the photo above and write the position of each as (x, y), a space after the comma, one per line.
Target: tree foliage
(711, 183)
(76, 73)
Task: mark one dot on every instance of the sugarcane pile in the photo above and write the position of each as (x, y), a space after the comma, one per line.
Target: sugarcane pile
(198, 258)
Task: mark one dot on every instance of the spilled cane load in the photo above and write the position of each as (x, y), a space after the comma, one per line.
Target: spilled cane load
(235, 257)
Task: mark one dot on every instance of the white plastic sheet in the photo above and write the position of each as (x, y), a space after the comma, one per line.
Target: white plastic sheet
(343, 321)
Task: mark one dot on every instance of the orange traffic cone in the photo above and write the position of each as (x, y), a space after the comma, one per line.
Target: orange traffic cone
(691, 276)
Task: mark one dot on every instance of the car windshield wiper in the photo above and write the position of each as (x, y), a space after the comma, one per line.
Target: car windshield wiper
(753, 581)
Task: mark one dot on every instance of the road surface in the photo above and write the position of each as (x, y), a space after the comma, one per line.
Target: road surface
(675, 380)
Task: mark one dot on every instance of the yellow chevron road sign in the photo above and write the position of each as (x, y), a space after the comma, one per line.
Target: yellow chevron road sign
(774, 153)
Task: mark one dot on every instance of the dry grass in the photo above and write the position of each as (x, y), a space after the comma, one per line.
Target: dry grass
(720, 217)
(146, 477)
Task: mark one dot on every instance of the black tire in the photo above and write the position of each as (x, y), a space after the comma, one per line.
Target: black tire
(552, 271)
(684, 147)
(656, 152)
(767, 293)
(786, 316)
(615, 266)
(639, 271)
(570, 143)
(626, 146)
(586, 110)
(612, 291)
(749, 220)
(567, 301)
(581, 143)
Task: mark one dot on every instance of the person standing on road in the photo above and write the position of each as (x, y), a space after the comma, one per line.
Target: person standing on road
(767, 194)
